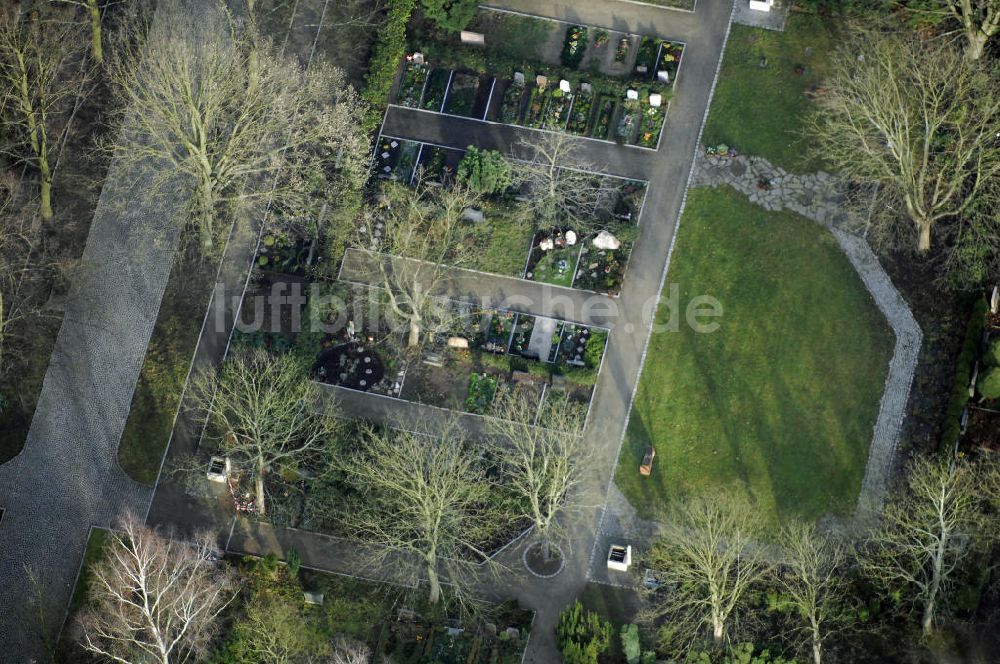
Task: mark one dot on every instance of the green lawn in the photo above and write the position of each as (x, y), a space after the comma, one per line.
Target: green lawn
(760, 111)
(778, 403)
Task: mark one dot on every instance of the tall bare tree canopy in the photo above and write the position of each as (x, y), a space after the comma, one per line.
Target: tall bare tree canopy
(230, 121)
(422, 226)
(422, 498)
(154, 599)
(564, 188)
(931, 527)
(920, 122)
(978, 20)
(710, 560)
(36, 84)
(266, 411)
(543, 463)
(94, 18)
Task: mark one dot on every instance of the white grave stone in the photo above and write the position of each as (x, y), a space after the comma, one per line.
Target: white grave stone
(570, 238)
(663, 76)
(547, 244)
(761, 5)
(655, 100)
(995, 300)
(476, 38)
(418, 58)
(519, 78)
(586, 88)
(632, 95)
(565, 86)
(606, 240)
(541, 81)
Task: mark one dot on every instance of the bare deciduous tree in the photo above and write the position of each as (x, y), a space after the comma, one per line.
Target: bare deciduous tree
(153, 598)
(931, 526)
(209, 99)
(978, 20)
(94, 16)
(812, 577)
(266, 412)
(418, 246)
(563, 187)
(709, 560)
(914, 118)
(36, 87)
(543, 463)
(420, 498)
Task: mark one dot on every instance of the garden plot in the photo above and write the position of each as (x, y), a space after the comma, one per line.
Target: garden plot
(544, 74)
(592, 259)
(395, 158)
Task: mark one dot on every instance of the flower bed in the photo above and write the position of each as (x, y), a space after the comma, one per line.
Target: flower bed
(605, 112)
(412, 86)
(557, 112)
(434, 162)
(579, 119)
(434, 91)
(494, 333)
(645, 59)
(536, 107)
(522, 334)
(621, 51)
(574, 46)
(602, 270)
(462, 94)
(649, 128)
(670, 59)
(482, 388)
(282, 253)
(601, 38)
(510, 107)
(626, 126)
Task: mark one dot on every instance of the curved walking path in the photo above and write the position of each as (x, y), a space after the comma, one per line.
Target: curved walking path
(817, 196)
(67, 477)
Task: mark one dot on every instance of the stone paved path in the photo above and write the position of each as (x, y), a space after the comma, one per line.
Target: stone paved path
(818, 196)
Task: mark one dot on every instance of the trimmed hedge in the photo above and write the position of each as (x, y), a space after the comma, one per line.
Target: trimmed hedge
(388, 51)
(963, 371)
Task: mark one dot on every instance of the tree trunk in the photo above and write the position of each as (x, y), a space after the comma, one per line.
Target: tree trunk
(414, 332)
(207, 204)
(718, 628)
(976, 44)
(435, 582)
(96, 48)
(259, 487)
(817, 652)
(924, 241)
(46, 187)
(546, 550)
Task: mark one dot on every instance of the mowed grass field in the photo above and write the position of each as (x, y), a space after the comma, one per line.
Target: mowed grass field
(779, 403)
(762, 111)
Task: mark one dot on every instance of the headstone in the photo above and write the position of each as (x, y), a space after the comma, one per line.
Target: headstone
(433, 359)
(519, 78)
(995, 300)
(406, 615)
(418, 58)
(655, 100)
(631, 94)
(541, 81)
(570, 238)
(547, 244)
(474, 38)
(565, 86)
(642, 69)
(315, 598)
(514, 634)
(606, 240)
(458, 342)
(761, 5)
(586, 88)
(663, 76)
(490, 629)
(473, 215)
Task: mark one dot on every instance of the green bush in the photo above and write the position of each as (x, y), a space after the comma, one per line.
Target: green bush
(495, 361)
(582, 635)
(387, 52)
(485, 171)
(993, 353)
(294, 562)
(595, 348)
(630, 644)
(450, 15)
(963, 369)
(989, 384)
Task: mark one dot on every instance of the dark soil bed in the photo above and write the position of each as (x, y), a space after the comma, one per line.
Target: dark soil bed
(350, 365)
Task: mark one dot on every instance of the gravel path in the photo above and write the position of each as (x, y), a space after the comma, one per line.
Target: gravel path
(817, 196)
(67, 477)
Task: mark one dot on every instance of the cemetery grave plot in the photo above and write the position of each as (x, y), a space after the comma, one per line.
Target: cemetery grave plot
(395, 158)
(595, 261)
(438, 164)
(547, 74)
